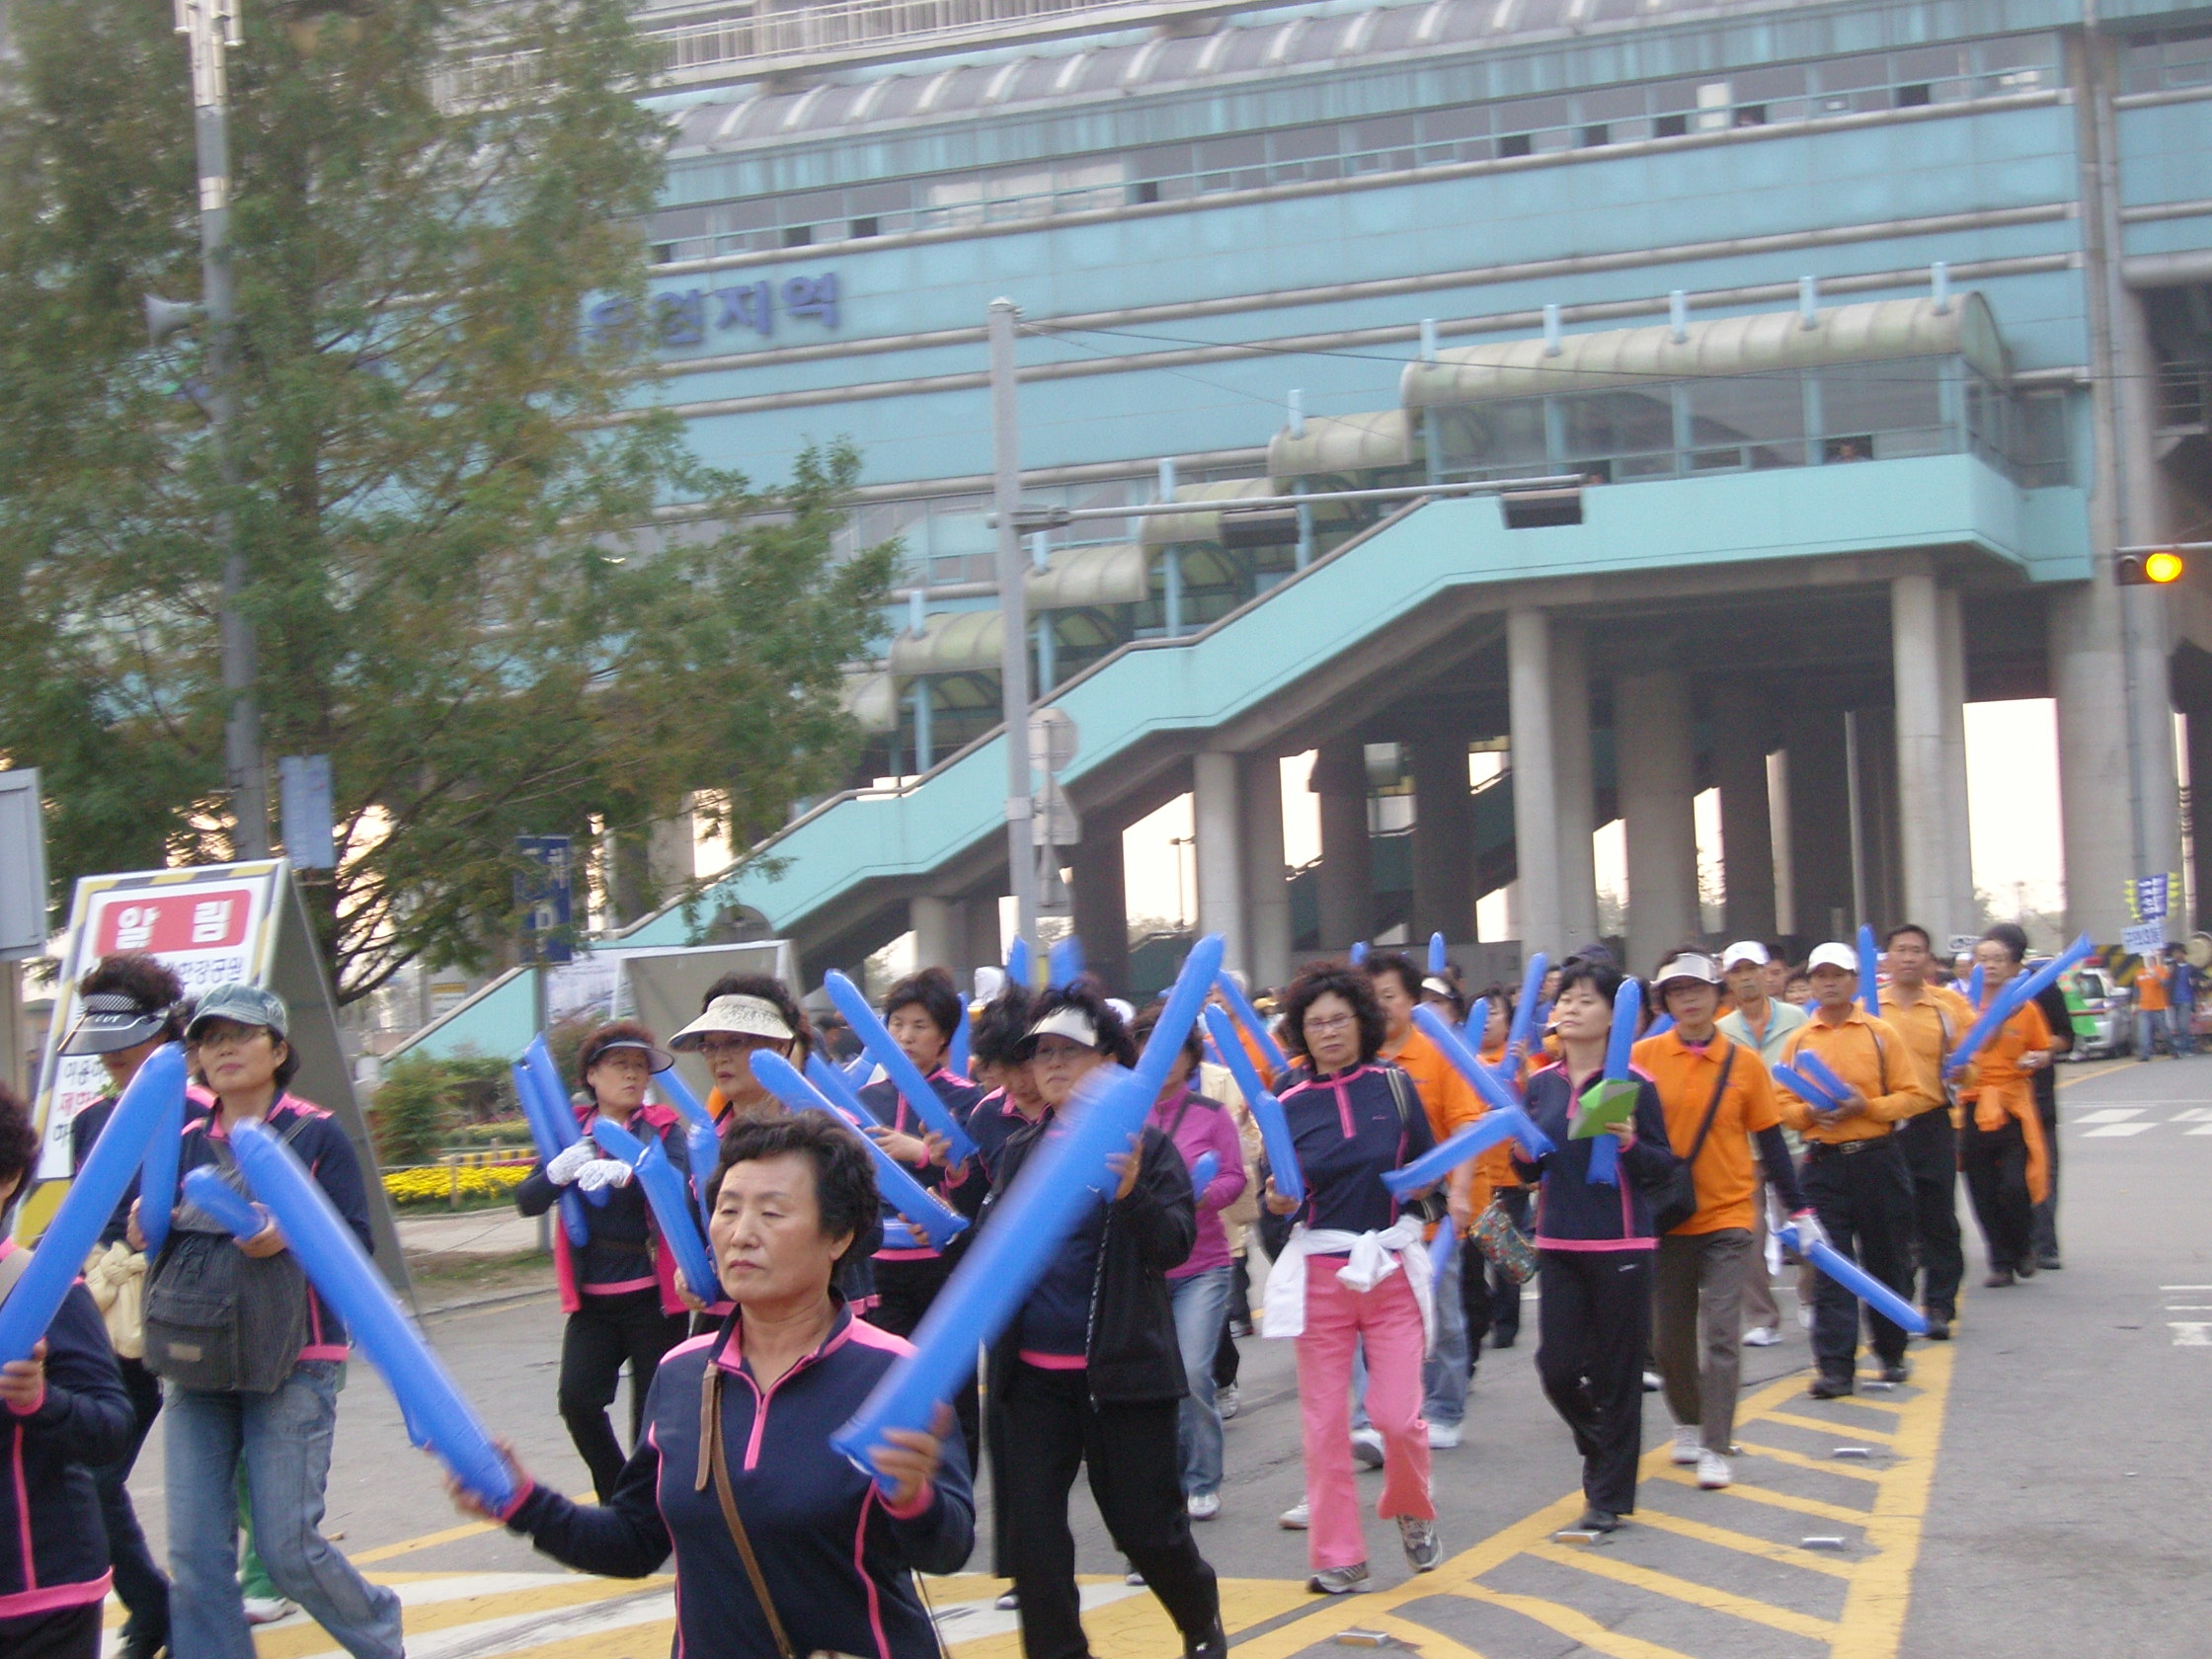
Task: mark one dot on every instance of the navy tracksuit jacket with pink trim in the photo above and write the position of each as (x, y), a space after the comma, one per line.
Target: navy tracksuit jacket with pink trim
(838, 1562)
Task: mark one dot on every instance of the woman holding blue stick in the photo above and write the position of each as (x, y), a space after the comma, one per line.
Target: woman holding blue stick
(1595, 1239)
(619, 1290)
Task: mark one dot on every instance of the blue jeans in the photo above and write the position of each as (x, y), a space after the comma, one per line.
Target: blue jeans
(2150, 1026)
(1444, 1376)
(1200, 1304)
(284, 1439)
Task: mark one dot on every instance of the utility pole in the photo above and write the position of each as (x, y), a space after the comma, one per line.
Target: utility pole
(1013, 659)
(212, 28)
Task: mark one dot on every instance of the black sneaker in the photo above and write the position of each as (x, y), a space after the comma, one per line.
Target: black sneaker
(1831, 1388)
(1938, 1328)
(1213, 1647)
(2000, 1278)
(1595, 1520)
(2023, 1268)
(1503, 1339)
(1898, 1373)
(2047, 1261)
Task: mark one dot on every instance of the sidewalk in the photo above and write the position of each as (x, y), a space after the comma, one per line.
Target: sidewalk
(480, 1232)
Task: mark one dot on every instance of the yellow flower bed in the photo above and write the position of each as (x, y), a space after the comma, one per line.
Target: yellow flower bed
(477, 1183)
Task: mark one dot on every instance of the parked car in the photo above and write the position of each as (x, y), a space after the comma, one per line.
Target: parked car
(2103, 1014)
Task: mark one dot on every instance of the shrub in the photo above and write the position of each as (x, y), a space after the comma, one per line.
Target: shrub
(423, 1097)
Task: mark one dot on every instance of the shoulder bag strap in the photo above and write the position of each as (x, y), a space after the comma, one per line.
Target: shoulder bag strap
(714, 1466)
(1713, 1107)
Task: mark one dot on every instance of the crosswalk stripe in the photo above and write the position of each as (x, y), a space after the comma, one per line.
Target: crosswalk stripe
(1674, 1588)
(1774, 1499)
(1822, 1466)
(1742, 1542)
(1824, 1427)
(1576, 1625)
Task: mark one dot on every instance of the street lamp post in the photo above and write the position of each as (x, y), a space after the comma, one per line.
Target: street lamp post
(213, 28)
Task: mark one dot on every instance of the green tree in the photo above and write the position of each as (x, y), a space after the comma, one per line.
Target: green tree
(486, 578)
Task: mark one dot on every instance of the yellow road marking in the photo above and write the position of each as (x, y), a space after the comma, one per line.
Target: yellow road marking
(1743, 1543)
(1825, 1426)
(431, 1540)
(560, 1594)
(1431, 1644)
(1873, 1619)
(1576, 1625)
(1821, 1465)
(1604, 1565)
(1137, 1626)
(1777, 1500)
(1862, 1403)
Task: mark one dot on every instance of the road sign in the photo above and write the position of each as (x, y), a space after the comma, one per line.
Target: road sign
(547, 897)
(22, 866)
(306, 812)
(1961, 944)
(2148, 896)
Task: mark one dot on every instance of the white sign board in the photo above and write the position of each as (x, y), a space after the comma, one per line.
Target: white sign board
(23, 866)
(2147, 940)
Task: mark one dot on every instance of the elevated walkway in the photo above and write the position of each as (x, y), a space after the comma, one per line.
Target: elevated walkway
(1428, 585)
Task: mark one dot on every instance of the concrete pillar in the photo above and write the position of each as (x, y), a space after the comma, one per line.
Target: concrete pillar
(1101, 905)
(2198, 729)
(985, 948)
(1958, 841)
(1218, 820)
(1574, 781)
(1655, 752)
(1877, 800)
(2088, 680)
(1785, 867)
(1747, 830)
(1819, 821)
(1346, 878)
(940, 927)
(1915, 638)
(1443, 837)
(1536, 800)
(1267, 888)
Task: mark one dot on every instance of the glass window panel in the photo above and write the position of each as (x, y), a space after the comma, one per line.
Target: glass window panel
(1466, 120)
(1758, 86)
(1168, 161)
(1532, 115)
(1845, 74)
(1622, 422)
(1303, 143)
(1859, 399)
(1610, 104)
(1763, 413)
(1494, 435)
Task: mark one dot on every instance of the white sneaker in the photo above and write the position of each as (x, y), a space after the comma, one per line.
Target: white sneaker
(1225, 1401)
(1713, 1472)
(1367, 1447)
(1203, 1506)
(267, 1610)
(1686, 1449)
(1653, 1381)
(1762, 1336)
(1294, 1518)
(1443, 1436)
(1806, 1314)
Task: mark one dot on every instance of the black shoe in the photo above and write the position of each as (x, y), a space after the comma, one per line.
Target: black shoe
(1596, 1519)
(1831, 1388)
(1213, 1647)
(2000, 1278)
(2047, 1261)
(141, 1647)
(1938, 1328)
(1897, 1372)
(2023, 1268)
(1503, 1339)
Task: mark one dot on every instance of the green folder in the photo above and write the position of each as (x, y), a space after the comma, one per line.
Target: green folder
(1604, 1103)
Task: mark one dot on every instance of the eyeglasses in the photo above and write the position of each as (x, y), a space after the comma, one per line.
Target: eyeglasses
(1328, 1022)
(712, 1047)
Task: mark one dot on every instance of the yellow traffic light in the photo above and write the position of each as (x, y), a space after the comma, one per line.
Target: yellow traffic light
(2148, 567)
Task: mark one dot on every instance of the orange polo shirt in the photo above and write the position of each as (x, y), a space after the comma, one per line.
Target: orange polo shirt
(1869, 1056)
(1450, 1099)
(1931, 1026)
(2150, 987)
(1724, 1174)
(2005, 1089)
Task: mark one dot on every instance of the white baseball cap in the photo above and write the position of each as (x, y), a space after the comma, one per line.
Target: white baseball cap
(1833, 956)
(1744, 950)
(1069, 1022)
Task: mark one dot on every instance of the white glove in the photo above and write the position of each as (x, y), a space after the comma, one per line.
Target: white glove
(604, 1172)
(564, 1167)
(1810, 1231)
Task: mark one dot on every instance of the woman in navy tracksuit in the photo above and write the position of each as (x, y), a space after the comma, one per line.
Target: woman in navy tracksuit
(62, 1412)
(619, 1288)
(1596, 1241)
(792, 1196)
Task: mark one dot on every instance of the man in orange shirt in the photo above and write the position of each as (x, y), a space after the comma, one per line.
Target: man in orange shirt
(1717, 1096)
(2001, 1133)
(1931, 1018)
(1853, 1174)
(2152, 980)
(1451, 1104)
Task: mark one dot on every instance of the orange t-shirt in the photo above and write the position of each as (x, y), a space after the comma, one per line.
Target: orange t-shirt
(1725, 1173)
(2150, 987)
(1449, 1098)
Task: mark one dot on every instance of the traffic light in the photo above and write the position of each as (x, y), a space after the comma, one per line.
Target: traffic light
(2156, 567)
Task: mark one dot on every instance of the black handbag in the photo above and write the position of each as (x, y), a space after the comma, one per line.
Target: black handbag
(1675, 1203)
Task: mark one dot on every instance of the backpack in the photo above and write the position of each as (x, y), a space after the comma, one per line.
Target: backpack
(218, 1320)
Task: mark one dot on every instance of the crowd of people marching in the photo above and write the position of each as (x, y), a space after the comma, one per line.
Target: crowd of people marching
(1652, 1244)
